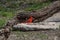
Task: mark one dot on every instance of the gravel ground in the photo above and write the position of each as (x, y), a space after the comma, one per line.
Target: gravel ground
(35, 35)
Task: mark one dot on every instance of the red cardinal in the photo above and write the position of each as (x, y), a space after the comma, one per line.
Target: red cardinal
(29, 20)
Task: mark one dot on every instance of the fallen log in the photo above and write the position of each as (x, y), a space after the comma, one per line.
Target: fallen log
(41, 14)
(36, 26)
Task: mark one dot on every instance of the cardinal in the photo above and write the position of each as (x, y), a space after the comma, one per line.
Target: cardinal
(30, 20)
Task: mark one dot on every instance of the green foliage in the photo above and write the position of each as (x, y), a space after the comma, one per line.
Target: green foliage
(10, 5)
(6, 14)
(37, 6)
(4, 17)
(2, 22)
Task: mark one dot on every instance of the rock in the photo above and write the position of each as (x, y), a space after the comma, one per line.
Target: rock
(54, 18)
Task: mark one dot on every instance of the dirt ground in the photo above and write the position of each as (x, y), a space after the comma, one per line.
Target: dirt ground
(35, 35)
